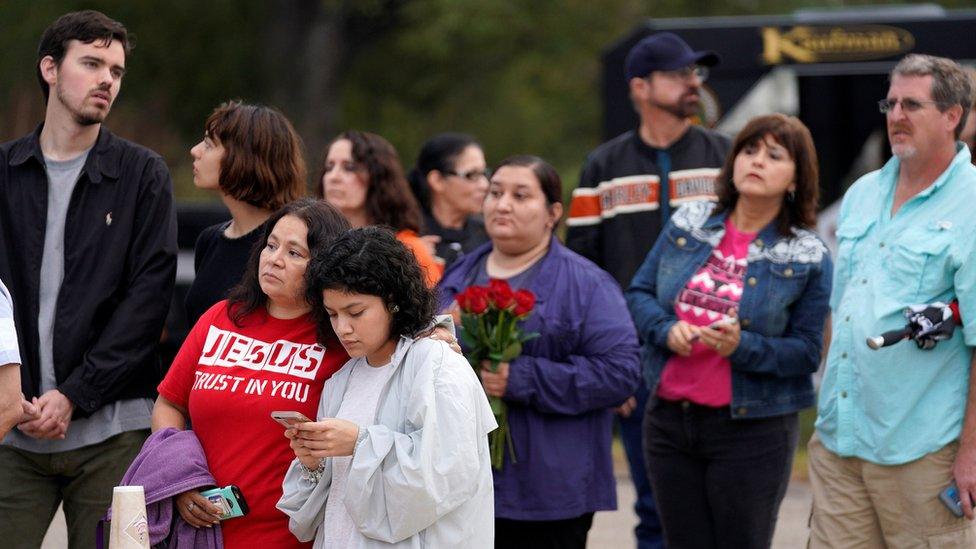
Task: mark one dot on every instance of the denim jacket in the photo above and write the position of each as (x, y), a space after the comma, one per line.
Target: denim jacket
(784, 303)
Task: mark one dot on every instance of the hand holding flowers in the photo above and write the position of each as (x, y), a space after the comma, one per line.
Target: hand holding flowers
(489, 329)
(495, 382)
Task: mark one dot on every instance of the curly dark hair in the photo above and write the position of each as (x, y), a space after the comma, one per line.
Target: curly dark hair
(371, 261)
(324, 224)
(793, 135)
(389, 200)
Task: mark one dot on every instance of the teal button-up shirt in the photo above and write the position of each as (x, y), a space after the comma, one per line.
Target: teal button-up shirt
(896, 404)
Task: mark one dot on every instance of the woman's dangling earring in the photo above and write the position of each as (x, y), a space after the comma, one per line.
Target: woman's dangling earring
(790, 196)
(395, 309)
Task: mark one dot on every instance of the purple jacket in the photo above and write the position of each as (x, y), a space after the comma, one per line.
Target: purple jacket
(170, 463)
(562, 389)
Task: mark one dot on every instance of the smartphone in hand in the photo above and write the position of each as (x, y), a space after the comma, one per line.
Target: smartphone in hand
(950, 498)
(718, 325)
(229, 499)
(288, 419)
(723, 322)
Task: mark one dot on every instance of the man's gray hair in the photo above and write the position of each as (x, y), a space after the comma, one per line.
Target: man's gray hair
(950, 83)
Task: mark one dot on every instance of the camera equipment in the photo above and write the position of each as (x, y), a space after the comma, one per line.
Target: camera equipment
(927, 325)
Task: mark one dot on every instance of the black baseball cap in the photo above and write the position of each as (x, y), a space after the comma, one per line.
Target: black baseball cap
(664, 51)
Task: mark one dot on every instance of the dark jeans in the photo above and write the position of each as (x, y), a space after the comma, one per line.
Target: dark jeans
(32, 485)
(543, 534)
(718, 482)
(648, 530)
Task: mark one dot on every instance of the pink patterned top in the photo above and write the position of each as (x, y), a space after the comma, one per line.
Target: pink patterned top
(705, 377)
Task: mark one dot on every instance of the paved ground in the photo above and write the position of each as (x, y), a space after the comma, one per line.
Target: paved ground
(615, 529)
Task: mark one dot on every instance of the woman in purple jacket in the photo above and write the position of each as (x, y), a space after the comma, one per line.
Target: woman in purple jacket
(561, 391)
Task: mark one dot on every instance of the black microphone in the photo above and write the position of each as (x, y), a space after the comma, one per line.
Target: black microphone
(890, 337)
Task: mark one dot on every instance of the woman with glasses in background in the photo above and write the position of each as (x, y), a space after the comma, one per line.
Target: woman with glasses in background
(451, 180)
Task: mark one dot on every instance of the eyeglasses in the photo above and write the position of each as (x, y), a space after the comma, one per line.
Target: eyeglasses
(472, 176)
(686, 73)
(907, 104)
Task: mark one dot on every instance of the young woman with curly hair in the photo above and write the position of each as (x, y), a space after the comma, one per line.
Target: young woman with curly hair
(398, 411)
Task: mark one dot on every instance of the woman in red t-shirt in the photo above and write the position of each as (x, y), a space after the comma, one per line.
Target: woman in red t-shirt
(247, 356)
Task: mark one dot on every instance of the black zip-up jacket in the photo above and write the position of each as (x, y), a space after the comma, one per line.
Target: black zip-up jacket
(615, 215)
(119, 268)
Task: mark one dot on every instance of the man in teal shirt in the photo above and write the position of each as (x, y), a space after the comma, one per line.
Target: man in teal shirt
(896, 426)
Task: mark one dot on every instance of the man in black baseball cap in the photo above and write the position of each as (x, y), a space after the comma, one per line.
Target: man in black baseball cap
(665, 51)
(628, 188)
(670, 56)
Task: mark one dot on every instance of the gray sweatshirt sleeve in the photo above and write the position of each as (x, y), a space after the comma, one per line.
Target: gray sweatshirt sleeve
(401, 483)
(302, 500)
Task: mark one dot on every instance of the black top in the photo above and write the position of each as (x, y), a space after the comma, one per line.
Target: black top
(623, 174)
(119, 268)
(456, 242)
(219, 263)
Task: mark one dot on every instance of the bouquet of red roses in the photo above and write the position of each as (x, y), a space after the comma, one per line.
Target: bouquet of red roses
(490, 331)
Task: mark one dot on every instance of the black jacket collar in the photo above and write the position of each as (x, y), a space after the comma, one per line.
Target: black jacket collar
(104, 158)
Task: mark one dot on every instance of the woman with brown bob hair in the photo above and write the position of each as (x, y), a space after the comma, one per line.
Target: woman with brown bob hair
(731, 303)
(363, 178)
(251, 157)
(799, 209)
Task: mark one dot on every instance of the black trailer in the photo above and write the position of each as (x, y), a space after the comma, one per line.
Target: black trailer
(838, 61)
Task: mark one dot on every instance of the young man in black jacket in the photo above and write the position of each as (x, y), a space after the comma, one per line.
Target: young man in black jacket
(88, 250)
(628, 189)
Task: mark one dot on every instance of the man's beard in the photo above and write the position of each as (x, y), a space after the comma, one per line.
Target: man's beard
(81, 118)
(907, 151)
(682, 108)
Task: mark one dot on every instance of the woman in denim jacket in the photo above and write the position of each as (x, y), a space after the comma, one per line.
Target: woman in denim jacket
(730, 305)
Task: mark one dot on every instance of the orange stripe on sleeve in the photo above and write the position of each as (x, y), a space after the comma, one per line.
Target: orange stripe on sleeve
(585, 206)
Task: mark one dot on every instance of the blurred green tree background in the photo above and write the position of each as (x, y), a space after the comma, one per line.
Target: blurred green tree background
(521, 75)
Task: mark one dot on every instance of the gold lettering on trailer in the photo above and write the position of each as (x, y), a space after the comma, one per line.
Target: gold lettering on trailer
(806, 44)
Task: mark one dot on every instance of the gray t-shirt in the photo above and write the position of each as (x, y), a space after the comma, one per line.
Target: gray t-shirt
(111, 419)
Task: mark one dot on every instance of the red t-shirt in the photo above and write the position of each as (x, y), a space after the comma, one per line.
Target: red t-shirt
(705, 377)
(230, 379)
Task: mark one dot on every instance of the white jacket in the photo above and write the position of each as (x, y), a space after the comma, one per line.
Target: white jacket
(422, 477)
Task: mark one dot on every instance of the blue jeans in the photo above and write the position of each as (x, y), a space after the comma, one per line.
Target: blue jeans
(648, 530)
(718, 481)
